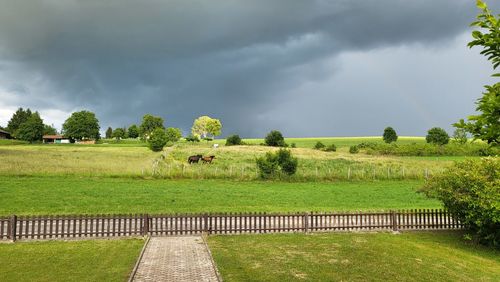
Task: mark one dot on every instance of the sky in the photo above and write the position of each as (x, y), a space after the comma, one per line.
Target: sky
(305, 67)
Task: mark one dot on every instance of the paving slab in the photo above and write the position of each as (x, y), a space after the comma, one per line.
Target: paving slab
(179, 259)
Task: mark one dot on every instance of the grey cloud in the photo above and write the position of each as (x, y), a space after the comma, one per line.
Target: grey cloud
(236, 60)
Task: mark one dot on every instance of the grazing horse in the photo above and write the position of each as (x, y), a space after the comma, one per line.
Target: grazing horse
(194, 159)
(208, 159)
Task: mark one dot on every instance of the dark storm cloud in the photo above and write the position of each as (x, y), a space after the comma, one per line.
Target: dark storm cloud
(235, 60)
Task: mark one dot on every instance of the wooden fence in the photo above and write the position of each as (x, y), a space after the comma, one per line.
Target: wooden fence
(79, 226)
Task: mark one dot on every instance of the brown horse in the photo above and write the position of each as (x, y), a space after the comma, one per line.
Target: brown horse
(208, 159)
(194, 159)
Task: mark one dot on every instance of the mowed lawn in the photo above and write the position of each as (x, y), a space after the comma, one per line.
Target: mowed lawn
(77, 195)
(92, 260)
(423, 256)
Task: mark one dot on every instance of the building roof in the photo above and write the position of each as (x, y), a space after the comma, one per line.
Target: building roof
(3, 131)
(53, 137)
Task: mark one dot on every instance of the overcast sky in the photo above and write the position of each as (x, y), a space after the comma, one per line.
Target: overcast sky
(305, 67)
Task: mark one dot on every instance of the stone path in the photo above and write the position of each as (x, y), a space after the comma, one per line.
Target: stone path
(176, 259)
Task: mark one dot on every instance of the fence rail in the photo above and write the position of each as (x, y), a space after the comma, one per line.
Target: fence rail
(79, 226)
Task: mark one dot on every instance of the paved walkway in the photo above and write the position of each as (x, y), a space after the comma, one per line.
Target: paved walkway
(176, 259)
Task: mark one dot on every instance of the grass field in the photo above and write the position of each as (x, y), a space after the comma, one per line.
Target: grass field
(95, 260)
(236, 162)
(423, 256)
(74, 195)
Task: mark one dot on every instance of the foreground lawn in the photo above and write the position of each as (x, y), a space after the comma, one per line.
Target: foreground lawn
(93, 260)
(439, 256)
(75, 195)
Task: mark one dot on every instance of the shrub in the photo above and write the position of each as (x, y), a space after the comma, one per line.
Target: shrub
(277, 164)
(293, 145)
(354, 149)
(390, 135)
(157, 140)
(192, 138)
(233, 140)
(275, 139)
(437, 136)
(470, 190)
(319, 145)
(331, 148)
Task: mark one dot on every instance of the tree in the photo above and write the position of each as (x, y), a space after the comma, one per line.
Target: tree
(133, 131)
(233, 140)
(157, 140)
(470, 190)
(460, 135)
(18, 118)
(173, 134)
(192, 138)
(276, 164)
(150, 123)
(438, 136)
(81, 126)
(118, 133)
(109, 133)
(32, 129)
(275, 139)
(205, 126)
(390, 135)
(486, 125)
(49, 130)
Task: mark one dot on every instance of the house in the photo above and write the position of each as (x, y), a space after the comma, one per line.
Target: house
(4, 134)
(55, 139)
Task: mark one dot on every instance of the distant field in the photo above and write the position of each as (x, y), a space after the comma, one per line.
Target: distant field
(76, 195)
(423, 256)
(340, 142)
(92, 260)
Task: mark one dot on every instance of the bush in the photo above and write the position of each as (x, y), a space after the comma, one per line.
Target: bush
(275, 139)
(390, 135)
(470, 190)
(437, 136)
(157, 140)
(460, 136)
(293, 145)
(192, 138)
(233, 140)
(277, 164)
(173, 134)
(354, 149)
(319, 145)
(331, 148)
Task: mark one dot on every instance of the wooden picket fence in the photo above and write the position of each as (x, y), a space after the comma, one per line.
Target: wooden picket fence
(84, 226)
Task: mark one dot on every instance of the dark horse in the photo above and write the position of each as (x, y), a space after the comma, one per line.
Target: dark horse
(208, 159)
(194, 159)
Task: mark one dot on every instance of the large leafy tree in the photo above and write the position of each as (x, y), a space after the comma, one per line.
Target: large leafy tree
(18, 118)
(390, 135)
(173, 134)
(150, 123)
(486, 125)
(205, 126)
(49, 130)
(81, 125)
(32, 129)
(133, 131)
(118, 133)
(109, 133)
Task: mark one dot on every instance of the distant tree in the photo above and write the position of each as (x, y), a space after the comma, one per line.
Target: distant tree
(109, 133)
(18, 118)
(173, 134)
(233, 140)
(157, 139)
(81, 125)
(192, 138)
(390, 135)
(460, 135)
(32, 129)
(125, 132)
(486, 125)
(319, 145)
(150, 123)
(205, 126)
(437, 136)
(118, 133)
(133, 131)
(49, 130)
(275, 139)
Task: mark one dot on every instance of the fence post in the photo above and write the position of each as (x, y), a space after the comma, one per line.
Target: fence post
(13, 227)
(145, 229)
(394, 221)
(306, 222)
(205, 223)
